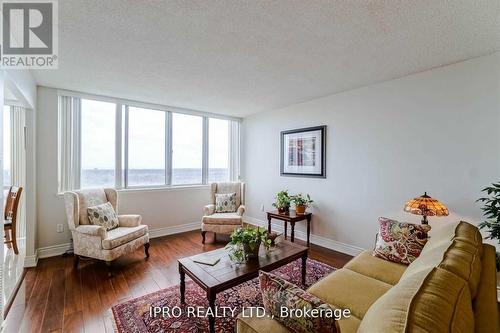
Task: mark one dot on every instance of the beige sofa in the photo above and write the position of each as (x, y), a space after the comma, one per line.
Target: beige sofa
(451, 287)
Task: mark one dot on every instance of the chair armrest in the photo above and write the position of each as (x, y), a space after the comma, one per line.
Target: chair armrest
(241, 210)
(208, 210)
(92, 230)
(129, 220)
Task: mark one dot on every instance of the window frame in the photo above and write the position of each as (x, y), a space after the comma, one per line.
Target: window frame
(122, 141)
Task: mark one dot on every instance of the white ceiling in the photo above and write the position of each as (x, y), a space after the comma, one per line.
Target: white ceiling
(242, 57)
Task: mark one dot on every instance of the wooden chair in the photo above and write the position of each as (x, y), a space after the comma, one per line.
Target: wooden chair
(10, 216)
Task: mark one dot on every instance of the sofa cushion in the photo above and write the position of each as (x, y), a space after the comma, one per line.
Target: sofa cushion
(122, 235)
(246, 323)
(377, 268)
(470, 233)
(432, 300)
(400, 242)
(457, 256)
(351, 290)
(223, 218)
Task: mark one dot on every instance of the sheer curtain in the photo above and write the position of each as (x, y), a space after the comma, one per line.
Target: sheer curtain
(18, 161)
(69, 123)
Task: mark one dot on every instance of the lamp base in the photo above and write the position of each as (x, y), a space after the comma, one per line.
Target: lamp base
(424, 220)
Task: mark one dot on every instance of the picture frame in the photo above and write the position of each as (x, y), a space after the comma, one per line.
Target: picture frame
(303, 152)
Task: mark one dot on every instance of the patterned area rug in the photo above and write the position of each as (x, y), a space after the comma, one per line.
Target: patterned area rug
(133, 316)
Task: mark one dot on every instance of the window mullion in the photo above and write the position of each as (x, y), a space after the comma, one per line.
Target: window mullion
(204, 172)
(118, 146)
(168, 148)
(125, 160)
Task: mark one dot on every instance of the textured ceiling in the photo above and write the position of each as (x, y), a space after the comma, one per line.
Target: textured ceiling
(242, 57)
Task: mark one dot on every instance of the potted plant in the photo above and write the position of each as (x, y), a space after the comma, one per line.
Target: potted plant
(301, 202)
(245, 243)
(282, 202)
(491, 211)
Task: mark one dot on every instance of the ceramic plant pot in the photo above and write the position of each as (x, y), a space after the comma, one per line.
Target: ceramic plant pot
(300, 209)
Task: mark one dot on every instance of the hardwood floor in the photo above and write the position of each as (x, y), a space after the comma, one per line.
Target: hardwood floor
(55, 298)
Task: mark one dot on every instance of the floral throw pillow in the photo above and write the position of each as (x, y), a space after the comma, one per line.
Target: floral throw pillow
(400, 242)
(103, 215)
(225, 202)
(288, 304)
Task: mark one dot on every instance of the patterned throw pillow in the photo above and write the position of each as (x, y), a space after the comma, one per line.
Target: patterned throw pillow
(282, 297)
(225, 203)
(400, 242)
(103, 215)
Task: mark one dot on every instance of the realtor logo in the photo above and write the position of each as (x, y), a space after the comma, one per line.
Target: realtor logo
(29, 34)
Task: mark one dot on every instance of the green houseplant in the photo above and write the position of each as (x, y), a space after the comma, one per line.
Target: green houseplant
(301, 202)
(282, 201)
(491, 211)
(245, 243)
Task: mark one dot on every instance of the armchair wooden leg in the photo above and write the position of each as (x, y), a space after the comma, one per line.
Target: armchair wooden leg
(146, 249)
(76, 260)
(110, 272)
(203, 237)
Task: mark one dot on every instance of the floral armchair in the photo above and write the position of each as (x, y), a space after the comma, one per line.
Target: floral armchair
(224, 223)
(95, 241)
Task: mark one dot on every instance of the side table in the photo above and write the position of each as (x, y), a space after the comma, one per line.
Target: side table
(290, 217)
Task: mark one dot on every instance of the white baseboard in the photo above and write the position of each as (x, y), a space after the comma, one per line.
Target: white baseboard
(175, 229)
(314, 239)
(31, 261)
(52, 251)
(57, 250)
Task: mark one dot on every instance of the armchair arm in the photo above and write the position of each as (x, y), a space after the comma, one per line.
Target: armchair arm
(241, 210)
(129, 220)
(208, 210)
(92, 230)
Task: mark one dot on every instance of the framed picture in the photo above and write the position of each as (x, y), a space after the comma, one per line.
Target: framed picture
(303, 152)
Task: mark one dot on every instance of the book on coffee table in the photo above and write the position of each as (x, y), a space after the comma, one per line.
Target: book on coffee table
(210, 260)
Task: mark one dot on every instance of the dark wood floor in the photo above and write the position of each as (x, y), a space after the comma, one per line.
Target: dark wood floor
(55, 298)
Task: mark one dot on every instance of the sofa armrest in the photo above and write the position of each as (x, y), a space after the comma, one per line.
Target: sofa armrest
(129, 220)
(208, 210)
(92, 230)
(241, 210)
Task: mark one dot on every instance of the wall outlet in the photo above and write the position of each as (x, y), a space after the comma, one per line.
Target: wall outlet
(60, 228)
(261, 207)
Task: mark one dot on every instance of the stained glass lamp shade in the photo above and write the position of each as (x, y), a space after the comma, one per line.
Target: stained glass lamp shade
(426, 206)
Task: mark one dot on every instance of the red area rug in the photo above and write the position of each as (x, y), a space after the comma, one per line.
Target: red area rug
(133, 316)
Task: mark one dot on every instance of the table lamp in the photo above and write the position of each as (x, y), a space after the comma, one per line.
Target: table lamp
(426, 206)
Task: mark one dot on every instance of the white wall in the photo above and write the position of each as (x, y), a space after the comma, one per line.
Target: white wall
(436, 131)
(164, 211)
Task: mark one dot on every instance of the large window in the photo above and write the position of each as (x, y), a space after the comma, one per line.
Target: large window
(107, 144)
(187, 149)
(146, 147)
(97, 144)
(218, 150)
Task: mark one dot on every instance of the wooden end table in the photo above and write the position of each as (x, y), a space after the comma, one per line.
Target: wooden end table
(290, 217)
(227, 274)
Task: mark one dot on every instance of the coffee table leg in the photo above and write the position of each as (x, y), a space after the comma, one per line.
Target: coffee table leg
(182, 284)
(269, 224)
(211, 304)
(304, 262)
(308, 229)
(286, 225)
(292, 236)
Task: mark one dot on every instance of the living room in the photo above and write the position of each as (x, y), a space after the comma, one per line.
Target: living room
(197, 166)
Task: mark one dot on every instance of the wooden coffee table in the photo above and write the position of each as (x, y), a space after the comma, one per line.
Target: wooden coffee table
(227, 274)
